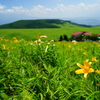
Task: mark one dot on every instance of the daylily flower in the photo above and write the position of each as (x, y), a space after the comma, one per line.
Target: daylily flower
(38, 41)
(14, 38)
(69, 46)
(98, 45)
(16, 41)
(4, 46)
(85, 69)
(85, 53)
(98, 71)
(42, 36)
(94, 59)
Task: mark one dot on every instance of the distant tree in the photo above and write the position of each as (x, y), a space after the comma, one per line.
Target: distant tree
(61, 38)
(65, 37)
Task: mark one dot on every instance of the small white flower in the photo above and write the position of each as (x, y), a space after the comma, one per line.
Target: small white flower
(52, 40)
(31, 43)
(48, 43)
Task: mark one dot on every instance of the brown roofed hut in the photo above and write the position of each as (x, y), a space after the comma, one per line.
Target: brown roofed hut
(87, 33)
(79, 35)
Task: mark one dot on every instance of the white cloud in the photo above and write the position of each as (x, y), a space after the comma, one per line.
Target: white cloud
(18, 8)
(60, 10)
(9, 10)
(15, 10)
(2, 6)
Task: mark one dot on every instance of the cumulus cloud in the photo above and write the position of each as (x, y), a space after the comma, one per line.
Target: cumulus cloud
(18, 8)
(59, 11)
(2, 6)
(15, 10)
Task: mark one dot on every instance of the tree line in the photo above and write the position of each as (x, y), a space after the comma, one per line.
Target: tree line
(93, 37)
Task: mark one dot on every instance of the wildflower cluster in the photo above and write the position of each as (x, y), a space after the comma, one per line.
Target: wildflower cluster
(85, 69)
(45, 70)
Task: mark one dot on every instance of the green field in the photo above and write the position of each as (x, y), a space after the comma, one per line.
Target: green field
(52, 33)
(46, 70)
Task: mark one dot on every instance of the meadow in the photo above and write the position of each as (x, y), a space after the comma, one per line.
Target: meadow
(52, 33)
(37, 70)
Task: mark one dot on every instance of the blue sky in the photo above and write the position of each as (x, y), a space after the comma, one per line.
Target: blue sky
(13, 10)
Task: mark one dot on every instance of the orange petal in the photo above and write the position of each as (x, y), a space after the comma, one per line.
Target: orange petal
(91, 70)
(94, 59)
(98, 71)
(79, 71)
(79, 65)
(86, 63)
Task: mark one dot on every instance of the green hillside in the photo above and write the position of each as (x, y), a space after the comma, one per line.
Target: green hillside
(53, 28)
(42, 23)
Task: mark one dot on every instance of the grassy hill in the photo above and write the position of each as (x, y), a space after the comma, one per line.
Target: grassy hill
(42, 23)
(43, 27)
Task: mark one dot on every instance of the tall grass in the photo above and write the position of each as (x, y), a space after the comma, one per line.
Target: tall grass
(46, 71)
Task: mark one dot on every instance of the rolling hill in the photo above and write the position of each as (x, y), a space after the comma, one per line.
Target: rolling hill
(41, 23)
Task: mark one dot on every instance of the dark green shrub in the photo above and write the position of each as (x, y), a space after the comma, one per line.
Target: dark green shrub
(93, 37)
(63, 38)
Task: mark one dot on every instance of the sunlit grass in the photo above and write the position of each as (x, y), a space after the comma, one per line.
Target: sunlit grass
(52, 33)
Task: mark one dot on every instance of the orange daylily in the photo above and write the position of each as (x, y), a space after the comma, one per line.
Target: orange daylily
(16, 41)
(42, 36)
(4, 46)
(94, 59)
(85, 69)
(85, 53)
(98, 71)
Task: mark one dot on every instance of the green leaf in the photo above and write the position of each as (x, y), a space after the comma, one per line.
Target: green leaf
(3, 95)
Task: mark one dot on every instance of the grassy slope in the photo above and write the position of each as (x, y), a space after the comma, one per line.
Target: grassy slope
(52, 33)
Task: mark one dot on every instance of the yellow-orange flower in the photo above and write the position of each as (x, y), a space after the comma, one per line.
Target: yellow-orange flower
(6, 40)
(85, 69)
(38, 41)
(94, 59)
(69, 46)
(75, 43)
(85, 53)
(80, 49)
(98, 45)
(42, 36)
(14, 38)
(98, 71)
(16, 41)
(4, 46)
